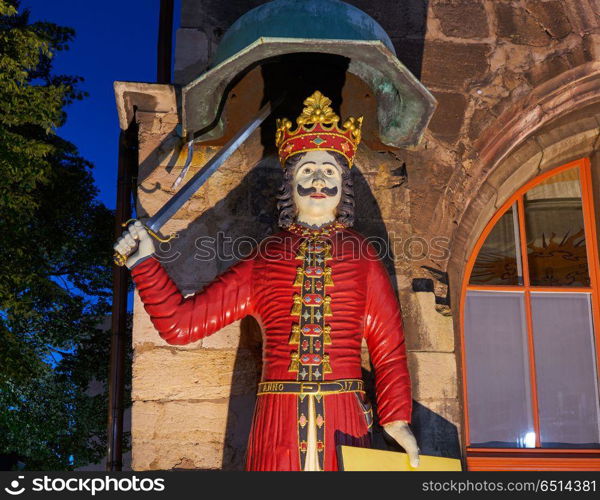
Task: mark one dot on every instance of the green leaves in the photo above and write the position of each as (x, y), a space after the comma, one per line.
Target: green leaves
(55, 260)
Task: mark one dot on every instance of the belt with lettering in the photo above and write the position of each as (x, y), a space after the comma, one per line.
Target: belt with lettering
(320, 388)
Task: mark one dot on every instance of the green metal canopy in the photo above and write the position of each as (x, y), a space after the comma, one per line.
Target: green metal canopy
(303, 19)
(404, 105)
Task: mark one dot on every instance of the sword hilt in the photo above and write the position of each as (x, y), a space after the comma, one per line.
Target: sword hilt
(120, 259)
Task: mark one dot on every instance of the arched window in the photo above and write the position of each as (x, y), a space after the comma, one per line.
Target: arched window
(530, 330)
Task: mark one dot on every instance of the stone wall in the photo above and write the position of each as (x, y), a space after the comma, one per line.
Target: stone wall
(516, 83)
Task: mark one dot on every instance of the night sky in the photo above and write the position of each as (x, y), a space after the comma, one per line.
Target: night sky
(115, 40)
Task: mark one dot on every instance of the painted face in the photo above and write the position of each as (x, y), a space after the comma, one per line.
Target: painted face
(317, 187)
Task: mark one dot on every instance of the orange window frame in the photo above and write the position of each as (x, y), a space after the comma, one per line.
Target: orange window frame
(535, 458)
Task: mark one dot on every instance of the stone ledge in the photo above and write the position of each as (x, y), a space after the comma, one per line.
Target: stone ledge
(153, 97)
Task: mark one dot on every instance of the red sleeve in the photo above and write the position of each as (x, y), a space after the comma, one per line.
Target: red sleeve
(182, 320)
(384, 334)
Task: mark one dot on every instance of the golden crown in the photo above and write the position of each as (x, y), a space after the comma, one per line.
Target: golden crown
(317, 129)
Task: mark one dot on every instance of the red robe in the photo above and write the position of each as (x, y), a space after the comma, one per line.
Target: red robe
(363, 304)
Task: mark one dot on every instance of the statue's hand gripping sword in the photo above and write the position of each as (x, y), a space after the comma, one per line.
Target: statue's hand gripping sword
(168, 210)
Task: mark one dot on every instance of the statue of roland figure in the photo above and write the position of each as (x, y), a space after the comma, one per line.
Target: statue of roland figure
(316, 288)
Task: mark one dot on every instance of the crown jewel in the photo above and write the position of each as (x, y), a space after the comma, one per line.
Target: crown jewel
(317, 129)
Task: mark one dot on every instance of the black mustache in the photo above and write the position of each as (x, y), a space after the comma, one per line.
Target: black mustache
(302, 191)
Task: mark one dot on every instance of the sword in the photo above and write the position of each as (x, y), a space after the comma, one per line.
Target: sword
(168, 210)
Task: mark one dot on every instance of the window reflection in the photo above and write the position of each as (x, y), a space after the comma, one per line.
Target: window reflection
(501, 325)
(499, 261)
(568, 405)
(555, 232)
(528, 440)
(498, 383)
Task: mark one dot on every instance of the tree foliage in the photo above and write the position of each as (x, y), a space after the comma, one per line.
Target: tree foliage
(55, 274)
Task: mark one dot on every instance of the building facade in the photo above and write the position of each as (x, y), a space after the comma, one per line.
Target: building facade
(491, 225)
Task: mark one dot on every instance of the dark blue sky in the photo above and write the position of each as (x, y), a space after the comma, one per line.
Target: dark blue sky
(115, 40)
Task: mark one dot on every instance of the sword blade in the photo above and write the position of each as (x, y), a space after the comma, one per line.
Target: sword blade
(168, 210)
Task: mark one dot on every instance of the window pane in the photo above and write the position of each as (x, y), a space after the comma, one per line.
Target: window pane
(555, 234)
(499, 392)
(565, 358)
(498, 262)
